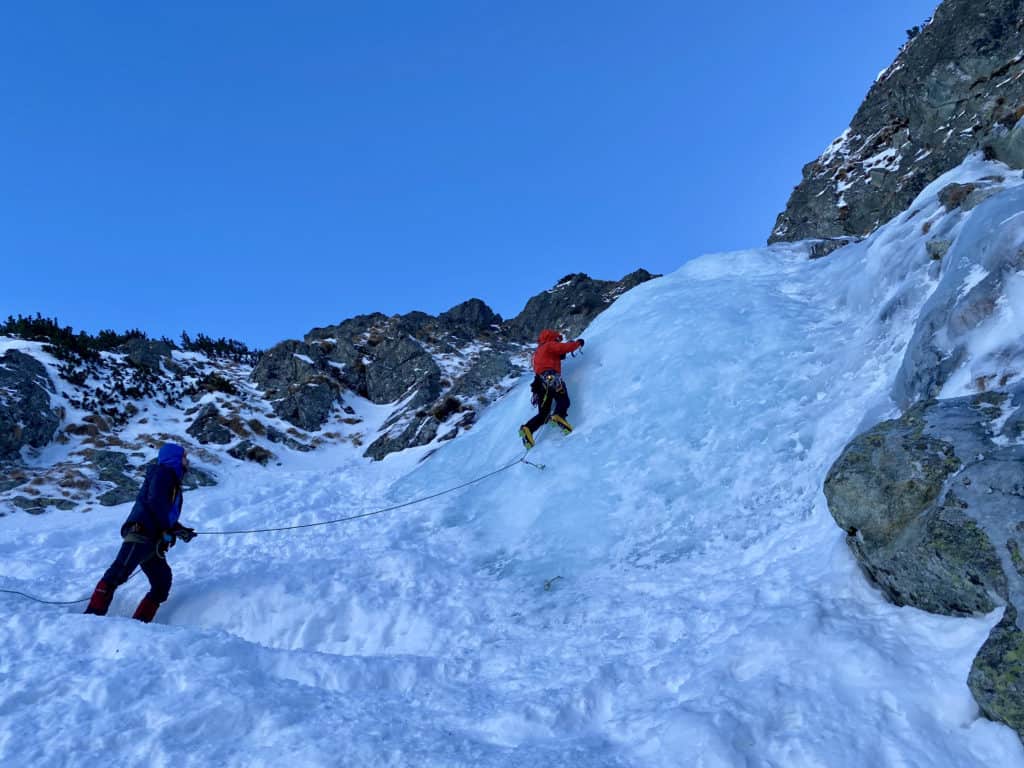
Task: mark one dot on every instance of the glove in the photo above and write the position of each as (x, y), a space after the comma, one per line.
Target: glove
(582, 342)
(166, 542)
(183, 532)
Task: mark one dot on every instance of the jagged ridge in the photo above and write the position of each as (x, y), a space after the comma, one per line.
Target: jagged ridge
(956, 87)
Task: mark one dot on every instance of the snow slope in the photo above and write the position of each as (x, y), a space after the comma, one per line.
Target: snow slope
(669, 591)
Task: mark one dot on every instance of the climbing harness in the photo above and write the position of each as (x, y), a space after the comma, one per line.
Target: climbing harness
(552, 382)
(544, 385)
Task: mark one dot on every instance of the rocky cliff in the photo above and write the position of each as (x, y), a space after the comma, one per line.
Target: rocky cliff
(434, 372)
(932, 501)
(78, 425)
(933, 505)
(957, 86)
(27, 417)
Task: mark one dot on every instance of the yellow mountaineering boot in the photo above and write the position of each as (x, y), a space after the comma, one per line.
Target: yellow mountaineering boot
(527, 436)
(560, 421)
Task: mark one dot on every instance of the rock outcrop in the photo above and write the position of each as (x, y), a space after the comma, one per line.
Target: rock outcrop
(146, 353)
(111, 410)
(435, 371)
(247, 450)
(113, 401)
(209, 426)
(301, 385)
(571, 305)
(113, 467)
(933, 501)
(933, 507)
(412, 361)
(956, 87)
(26, 415)
(997, 674)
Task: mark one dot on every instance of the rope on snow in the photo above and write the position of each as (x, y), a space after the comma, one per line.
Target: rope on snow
(521, 460)
(61, 602)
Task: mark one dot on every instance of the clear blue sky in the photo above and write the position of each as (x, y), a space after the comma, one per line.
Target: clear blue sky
(256, 169)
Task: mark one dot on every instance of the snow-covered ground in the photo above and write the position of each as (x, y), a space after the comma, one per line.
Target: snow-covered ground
(670, 591)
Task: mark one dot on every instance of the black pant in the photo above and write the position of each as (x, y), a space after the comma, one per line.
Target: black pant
(134, 554)
(546, 397)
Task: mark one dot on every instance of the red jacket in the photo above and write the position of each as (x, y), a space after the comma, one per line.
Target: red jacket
(548, 356)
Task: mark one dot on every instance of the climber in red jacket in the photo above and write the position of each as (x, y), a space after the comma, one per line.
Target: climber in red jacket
(548, 387)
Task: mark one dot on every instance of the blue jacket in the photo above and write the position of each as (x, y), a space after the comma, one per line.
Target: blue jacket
(158, 505)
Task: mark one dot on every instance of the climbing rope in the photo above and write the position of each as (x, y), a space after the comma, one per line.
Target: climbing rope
(60, 602)
(521, 460)
(46, 602)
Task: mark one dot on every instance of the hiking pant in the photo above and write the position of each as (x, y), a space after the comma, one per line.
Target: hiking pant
(548, 390)
(135, 553)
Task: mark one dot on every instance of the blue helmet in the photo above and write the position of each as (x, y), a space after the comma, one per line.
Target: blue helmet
(172, 455)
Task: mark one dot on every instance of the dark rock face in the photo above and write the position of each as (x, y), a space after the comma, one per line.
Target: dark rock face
(309, 406)
(107, 393)
(282, 366)
(26, 416)
(470, 318)
(300, 383)
(571, 305)
(385, 359)
(209, 427)
(113, 467)
(956, 87)
(7, 483)
(435, 370)
(420, 422)
(931, 503)
(246, 450)
(145, 353)
(822, 248)
(884, 491)
(197, 478)
(400, 364)
(997, 675)
(410, 433)
(953, 195)
(38, 505)
(277, 436)
(486, 371)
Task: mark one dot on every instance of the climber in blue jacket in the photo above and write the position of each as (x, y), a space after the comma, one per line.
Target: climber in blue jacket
(150, 530)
